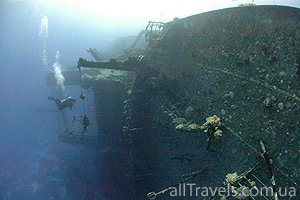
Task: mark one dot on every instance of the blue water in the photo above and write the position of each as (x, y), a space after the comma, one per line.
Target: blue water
(33, 163)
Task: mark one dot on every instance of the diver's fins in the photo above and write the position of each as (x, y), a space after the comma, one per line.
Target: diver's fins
(51, 98)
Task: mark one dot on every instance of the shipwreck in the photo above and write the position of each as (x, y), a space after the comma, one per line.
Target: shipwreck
(213, 99)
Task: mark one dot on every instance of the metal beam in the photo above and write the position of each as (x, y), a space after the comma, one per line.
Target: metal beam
(129, 65)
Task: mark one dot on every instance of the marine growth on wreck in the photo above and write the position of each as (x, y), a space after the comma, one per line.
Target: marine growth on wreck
(213, 100)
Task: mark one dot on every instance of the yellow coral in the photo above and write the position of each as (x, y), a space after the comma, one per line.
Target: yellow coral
(218, 133)
(231, 178)
(213, 120)
(187, 127)
(193, 127)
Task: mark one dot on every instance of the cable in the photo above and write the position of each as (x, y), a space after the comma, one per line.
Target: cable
(82, 96)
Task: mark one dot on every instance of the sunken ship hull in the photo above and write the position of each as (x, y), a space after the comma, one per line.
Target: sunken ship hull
(213, 101)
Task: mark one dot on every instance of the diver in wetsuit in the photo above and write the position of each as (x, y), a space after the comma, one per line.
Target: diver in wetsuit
(65, 103)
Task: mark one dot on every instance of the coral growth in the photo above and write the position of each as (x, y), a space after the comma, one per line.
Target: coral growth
(212, 125)
(231, 178)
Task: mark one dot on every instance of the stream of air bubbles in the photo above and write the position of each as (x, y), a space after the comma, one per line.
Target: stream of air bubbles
(43, 35)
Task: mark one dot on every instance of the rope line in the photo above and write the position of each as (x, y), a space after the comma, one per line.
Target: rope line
(82, 96)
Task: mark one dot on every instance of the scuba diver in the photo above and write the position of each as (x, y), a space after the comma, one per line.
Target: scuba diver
(65, 103)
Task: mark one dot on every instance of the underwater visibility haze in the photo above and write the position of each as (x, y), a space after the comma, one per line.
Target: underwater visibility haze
(146, 100)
